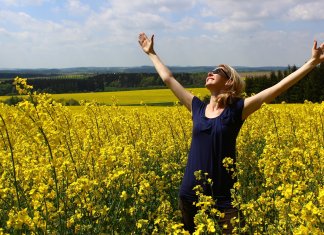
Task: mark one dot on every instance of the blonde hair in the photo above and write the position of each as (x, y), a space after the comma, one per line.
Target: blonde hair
(233, 91)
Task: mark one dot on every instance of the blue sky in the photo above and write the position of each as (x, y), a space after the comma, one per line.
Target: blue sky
(72, 33)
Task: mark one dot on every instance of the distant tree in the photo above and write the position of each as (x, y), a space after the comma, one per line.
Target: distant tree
(280, 75)
(69, 102)
(13, 100)
(6, 88)
(115, 83)
(147, 81)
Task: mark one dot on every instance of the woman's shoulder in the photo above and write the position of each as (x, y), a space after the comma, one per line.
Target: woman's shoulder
(196, 100)
(197, 104)
(237, 102)
(236, 108)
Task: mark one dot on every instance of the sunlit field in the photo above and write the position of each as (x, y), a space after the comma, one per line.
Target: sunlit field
(117, 170)
(136, 97)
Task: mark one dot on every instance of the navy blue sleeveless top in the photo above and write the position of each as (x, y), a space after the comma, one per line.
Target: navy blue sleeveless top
(213, 139)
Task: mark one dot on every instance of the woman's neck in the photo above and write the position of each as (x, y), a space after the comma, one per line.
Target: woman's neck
(213, 103)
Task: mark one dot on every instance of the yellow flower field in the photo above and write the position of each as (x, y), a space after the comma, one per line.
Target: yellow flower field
(134, 97)
(116, 170)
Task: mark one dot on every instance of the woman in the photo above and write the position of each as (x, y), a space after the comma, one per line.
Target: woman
(216, 126)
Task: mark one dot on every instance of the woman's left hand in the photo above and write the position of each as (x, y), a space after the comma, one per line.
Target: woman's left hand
(318, 53)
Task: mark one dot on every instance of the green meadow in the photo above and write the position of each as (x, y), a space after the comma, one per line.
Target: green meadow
(158, 97)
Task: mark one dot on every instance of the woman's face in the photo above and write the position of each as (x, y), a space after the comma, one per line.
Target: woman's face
(216, 78)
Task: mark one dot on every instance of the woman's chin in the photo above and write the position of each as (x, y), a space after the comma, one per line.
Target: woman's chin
(208, 86)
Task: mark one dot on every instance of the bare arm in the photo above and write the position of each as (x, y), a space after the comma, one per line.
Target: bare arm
(184, 96)
(253, 103)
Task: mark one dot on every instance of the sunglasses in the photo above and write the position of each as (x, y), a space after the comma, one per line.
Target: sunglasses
(219, 70)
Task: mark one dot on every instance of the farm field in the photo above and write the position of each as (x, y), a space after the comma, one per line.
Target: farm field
(137, 97)
(117, 170)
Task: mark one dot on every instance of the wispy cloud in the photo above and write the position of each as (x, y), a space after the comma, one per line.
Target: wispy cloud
(77, 7)
(21, 2)
(313, 10)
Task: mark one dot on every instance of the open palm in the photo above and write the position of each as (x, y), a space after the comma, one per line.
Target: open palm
(146, 43)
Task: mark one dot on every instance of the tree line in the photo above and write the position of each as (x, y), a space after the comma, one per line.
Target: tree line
(310, 88)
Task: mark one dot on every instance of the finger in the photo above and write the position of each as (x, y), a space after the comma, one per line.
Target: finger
(142, 36)
(322, 46)
(315, 45)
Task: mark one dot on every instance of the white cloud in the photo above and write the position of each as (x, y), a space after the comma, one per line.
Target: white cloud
(251, 15)
(152, 6)
(76, 7)
(21, 2)
(307, 11)
(187, 23)
(232, 26)
(120, 27)
(25, 22)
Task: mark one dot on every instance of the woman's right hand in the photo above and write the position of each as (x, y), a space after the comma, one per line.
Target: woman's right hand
(146, 43)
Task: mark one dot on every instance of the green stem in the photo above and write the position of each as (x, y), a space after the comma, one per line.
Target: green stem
(54, 174)
(275, 124)
(12, 161)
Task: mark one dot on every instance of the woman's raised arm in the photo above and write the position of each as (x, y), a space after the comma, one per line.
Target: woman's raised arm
(253, 103)
(184, 96)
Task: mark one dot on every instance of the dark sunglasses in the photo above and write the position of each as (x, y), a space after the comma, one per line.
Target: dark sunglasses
(219, 70)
